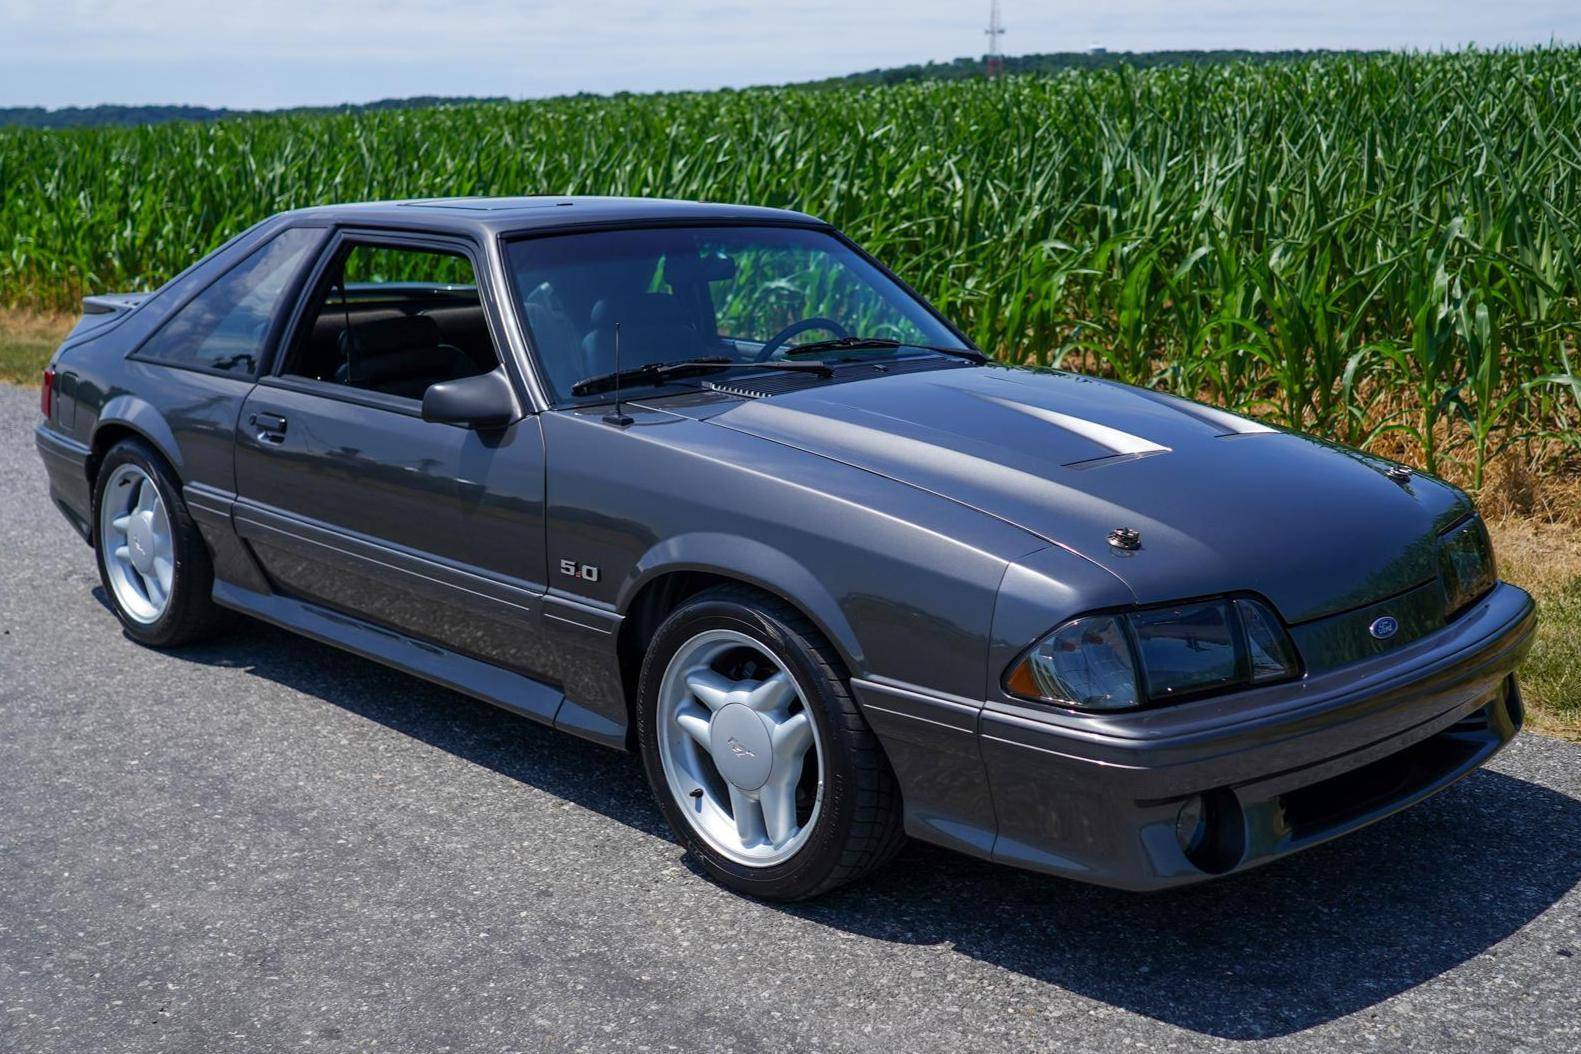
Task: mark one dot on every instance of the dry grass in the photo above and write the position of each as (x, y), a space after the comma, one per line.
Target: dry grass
(1534, 477)
(1541, 487)
(27, 340)
(1545, 559)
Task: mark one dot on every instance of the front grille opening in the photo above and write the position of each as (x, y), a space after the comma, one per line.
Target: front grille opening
(1339, 800)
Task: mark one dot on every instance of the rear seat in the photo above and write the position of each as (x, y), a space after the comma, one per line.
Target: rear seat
(401, 356)
(465, 327)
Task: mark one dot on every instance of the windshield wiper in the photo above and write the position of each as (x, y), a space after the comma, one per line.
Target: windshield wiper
(858, 343)
(653, 371)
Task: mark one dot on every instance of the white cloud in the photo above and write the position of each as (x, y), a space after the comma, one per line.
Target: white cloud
(289, 52)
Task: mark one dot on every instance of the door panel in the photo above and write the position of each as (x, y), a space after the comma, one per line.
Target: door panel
(430, 529)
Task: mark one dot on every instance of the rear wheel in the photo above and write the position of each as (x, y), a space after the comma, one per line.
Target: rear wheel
(759, 757)
(152, 560)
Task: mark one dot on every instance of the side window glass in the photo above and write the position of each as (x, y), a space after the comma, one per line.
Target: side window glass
(223, 327)
(395, 320)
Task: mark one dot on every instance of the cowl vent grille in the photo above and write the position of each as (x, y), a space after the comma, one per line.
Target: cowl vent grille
(763, 385)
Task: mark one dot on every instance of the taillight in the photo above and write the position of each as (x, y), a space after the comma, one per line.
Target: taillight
(46, 393)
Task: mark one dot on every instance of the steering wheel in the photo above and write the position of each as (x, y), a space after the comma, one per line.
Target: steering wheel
(777, 341)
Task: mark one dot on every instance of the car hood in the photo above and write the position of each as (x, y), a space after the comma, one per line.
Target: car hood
(1223, 503)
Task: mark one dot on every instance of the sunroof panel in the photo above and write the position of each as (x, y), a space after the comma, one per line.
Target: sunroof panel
(489, 204)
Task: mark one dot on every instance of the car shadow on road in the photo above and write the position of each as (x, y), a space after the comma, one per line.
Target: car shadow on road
(1277, 950)
(597, 778)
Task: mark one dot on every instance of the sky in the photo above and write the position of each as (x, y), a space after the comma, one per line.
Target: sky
(247, 54)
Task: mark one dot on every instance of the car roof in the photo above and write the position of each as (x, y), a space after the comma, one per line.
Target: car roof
(509, 215)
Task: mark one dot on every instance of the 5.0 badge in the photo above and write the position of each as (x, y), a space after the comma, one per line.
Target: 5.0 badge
(586, 572)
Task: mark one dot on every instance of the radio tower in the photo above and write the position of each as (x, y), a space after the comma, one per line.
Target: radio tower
(995, 63)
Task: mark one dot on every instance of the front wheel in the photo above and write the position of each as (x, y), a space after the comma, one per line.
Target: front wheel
(759, 757)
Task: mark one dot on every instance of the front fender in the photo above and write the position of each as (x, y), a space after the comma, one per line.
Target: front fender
(753, 562)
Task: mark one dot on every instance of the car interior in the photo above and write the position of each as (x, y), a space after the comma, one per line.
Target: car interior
(663, 309)
(682, 294)
(396, 321)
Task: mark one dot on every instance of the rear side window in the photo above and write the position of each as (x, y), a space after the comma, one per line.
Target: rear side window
(223, 327)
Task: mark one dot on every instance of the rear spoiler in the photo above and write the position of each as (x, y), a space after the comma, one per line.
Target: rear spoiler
(112, 303)
(99, 312)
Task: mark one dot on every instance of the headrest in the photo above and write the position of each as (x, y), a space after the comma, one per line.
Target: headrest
(386, 335)
(645, 309)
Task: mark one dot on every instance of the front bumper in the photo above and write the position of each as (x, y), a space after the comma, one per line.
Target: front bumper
(1280, 768)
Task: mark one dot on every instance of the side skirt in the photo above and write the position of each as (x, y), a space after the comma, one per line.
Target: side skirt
(510, 691)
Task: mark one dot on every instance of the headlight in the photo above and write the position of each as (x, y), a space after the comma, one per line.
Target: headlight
(1116, 662)
(1085, 663)
(1465, 565)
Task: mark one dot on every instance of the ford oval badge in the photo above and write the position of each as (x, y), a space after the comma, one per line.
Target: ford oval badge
(1385, 627)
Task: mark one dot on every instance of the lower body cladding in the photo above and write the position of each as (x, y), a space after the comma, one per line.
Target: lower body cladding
(1174, 795)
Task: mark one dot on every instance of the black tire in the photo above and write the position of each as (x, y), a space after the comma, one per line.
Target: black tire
(858, 828)
(191, 614)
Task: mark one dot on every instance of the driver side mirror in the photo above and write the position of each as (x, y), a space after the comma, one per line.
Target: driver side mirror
(482, 401)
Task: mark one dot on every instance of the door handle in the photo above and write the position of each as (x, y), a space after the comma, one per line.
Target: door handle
(271, 427)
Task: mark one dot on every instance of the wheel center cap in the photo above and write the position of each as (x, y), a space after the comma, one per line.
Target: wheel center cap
(140, 540)
(741, 748)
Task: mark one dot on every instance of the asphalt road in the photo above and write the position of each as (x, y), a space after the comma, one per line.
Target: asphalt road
(264, 844)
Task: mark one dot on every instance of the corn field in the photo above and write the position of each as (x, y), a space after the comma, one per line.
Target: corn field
(1383, 250)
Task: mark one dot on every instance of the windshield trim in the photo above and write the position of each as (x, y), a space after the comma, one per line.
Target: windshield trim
(553, 400)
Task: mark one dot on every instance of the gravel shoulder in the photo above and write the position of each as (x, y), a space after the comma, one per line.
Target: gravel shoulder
(264, 843)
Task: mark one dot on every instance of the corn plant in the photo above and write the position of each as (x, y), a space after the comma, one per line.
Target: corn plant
(1362, 247)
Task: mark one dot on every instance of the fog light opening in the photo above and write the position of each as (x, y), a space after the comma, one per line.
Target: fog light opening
(1210, 831)
(1191, 825)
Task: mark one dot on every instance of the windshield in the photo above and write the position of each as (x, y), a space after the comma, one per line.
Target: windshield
(746, 294)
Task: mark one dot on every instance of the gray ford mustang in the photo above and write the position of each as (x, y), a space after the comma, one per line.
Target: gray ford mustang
(709, 483)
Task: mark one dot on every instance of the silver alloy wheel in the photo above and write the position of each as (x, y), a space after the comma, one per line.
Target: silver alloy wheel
(735, 735)
(139, 549)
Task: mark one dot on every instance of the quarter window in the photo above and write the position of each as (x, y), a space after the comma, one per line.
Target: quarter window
(223, 328)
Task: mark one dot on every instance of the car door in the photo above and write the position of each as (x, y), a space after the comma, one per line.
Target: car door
(189, 373)
(350, 500)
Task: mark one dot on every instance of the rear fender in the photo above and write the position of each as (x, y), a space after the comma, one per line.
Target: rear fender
(133, 413)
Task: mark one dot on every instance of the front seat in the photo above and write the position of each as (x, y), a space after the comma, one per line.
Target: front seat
(557, 339)
(654, 327)
(401, 356)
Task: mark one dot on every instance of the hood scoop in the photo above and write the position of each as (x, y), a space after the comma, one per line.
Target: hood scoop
(1117, 444)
